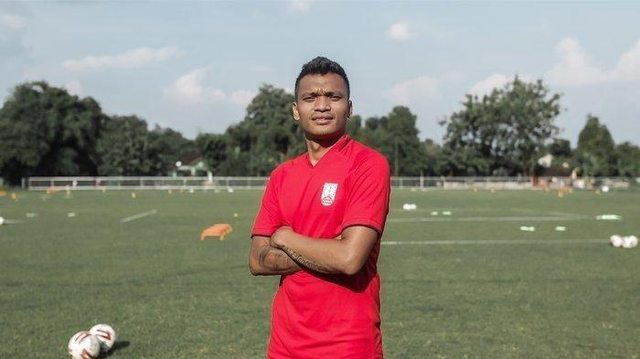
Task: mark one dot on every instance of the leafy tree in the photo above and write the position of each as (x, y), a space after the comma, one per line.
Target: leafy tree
(596, 149)
(126, 149)
(501, 133)
(266, 137)
(45, 131)
(396, 136)
(560, 148)
(627, 160)
(170, 146)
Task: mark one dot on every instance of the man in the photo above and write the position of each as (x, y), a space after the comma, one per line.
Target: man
(319, 227)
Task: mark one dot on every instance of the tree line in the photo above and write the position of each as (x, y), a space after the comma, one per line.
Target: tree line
(45, 131)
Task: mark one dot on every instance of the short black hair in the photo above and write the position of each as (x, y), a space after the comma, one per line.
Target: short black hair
(322, 66)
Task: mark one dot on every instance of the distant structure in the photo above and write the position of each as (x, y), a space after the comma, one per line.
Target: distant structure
(191, 165)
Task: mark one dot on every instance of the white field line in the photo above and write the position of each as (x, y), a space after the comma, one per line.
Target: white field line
(13, 221)
(487, 219)
(496, 241)
(138, 216)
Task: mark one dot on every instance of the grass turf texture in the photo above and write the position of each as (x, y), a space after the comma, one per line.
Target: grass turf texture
(170, 296)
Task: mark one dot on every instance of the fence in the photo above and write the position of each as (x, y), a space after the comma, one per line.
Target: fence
(223, 183)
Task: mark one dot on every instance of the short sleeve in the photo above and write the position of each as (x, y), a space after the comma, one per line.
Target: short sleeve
(368, 199)
(269, 216)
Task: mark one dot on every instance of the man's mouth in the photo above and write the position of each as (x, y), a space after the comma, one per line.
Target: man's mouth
(322, 120)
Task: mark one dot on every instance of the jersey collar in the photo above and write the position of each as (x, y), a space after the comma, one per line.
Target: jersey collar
(333, 151)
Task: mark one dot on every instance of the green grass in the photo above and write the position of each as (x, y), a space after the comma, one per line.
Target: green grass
(170, 296)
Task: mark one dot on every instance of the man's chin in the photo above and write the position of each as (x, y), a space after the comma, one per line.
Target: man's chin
(323, 136)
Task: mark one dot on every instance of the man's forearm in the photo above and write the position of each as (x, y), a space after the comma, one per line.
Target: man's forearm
(273, 261)
(345, 254)
(320, 255)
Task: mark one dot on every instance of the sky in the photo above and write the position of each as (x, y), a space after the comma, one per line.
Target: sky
(195, 65)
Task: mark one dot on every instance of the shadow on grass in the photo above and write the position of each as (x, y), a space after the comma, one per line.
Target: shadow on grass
(117, 346)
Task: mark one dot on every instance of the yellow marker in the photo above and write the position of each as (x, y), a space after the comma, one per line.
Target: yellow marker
(571, 190)
(475, 190)
(560, 194)
(14, 196)
(133, 195)
(169, 191)
(597, 191)
(493, 190)
(104, 190)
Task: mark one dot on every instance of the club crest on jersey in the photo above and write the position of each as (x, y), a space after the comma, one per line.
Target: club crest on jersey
(328, 194)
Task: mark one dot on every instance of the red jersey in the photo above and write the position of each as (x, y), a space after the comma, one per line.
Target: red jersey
(317, 315)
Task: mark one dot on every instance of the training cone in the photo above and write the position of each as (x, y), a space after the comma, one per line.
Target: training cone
(217, 230)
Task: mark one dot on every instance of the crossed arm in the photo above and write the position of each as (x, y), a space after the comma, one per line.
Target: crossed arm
(287, 252)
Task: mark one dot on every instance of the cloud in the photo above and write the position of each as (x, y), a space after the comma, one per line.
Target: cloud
(575, 66)
(628, 67)
(188, 89)
(415, 89)
(497, 80)
(300, 5)
(74, 88)
(131, 59)
(399, 32)
(12, 21)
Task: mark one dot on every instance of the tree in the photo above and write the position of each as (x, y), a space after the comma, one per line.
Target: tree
(501, 133)
(266, 137)
(396, 136)
(125, 148)
(627, 160)
(596, 149)
(45, 131)
(170, 146)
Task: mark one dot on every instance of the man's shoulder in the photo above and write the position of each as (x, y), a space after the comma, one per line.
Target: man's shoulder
(287, 165)
(363, 155)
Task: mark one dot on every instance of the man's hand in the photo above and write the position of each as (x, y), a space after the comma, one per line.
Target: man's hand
(276, 237)
(265, 259)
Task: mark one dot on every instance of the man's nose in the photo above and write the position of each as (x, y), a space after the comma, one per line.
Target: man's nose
(323, 104)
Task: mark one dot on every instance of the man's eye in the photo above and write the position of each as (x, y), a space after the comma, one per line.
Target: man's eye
(336, 98)
(308, 98)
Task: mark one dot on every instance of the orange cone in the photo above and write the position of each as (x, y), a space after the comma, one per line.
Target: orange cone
(217, 230)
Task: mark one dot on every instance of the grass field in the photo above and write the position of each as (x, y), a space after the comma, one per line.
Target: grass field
(490, 291)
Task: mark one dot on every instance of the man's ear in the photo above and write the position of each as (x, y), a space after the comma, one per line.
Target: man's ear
(350, 109)
(294, 109)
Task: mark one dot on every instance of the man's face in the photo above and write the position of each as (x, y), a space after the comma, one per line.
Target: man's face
(322, 107)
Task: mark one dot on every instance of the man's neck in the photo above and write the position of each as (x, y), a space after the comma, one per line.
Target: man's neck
(316, 149)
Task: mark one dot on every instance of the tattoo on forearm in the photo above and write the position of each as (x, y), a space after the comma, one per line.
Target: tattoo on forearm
(298, 258)
(280, 261)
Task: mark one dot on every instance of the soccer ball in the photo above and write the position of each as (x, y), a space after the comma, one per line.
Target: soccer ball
(616, 240)
(105, 334)
(629, 241)
(83, 345)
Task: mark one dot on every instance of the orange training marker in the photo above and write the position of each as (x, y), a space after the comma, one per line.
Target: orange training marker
(217, 230)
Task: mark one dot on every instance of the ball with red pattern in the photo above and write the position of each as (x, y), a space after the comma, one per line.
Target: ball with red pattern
(84, 345)
(105, 334)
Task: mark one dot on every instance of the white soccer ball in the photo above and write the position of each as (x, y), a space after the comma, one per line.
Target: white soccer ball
(605, 189)
(105, 334)
(629, 241)
(84, 345)
(615, 240)
(1, 221)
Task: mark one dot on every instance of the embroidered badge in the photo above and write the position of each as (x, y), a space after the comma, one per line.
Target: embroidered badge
(329, 194)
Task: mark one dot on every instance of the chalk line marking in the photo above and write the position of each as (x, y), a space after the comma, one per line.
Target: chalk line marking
(496, 241)
(488, 219)
(138, 216)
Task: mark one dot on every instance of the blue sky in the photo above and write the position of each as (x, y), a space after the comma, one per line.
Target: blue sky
(194, 66)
